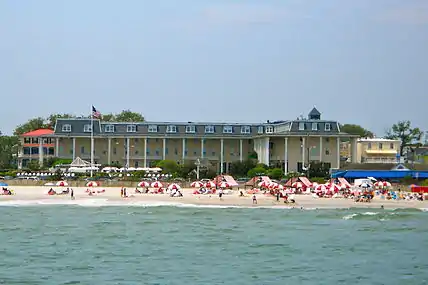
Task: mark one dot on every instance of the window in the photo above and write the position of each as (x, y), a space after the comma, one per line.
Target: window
(190, 129)
(27, 140)
(131, 128)
(380, 145)
(171, 129)
(301, 126)
(269, 130)
(260, 130)
(152, 129)
(66, 128)
(209, 129)
(227, 129)
(109, 129)
(315, 126)
(369, 145)
(391, 146)
(245, 130)
(327, 127)
(87, 128)
(82, 149)
(327, 152)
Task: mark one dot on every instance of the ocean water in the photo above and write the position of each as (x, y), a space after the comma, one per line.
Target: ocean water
(155, 244)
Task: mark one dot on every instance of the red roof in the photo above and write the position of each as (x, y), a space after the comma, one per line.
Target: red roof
(38, 133)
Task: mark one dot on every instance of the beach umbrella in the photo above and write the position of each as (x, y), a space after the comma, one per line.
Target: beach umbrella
(92, 184)
(263, 184)
(143, 184)
(272, 185)
(224, 185)
(62, 183)
(321, 188)
(210, 184)
(2, 184)
(345, 186)
(278, 187)
(174, 186)
(378, 184)
(156, 184)
(334, 187)
(197, 184)
(386, 184)
(297, 185)
(365, 185)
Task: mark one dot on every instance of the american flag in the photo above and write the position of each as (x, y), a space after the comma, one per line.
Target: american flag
(95, 113)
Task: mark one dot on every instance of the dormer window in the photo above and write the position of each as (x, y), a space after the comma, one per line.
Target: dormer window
(227, 129)
(269, 130)
(152, 129)
(245, 130)
(171, 129)
(190, 129)
(66, 128)
(87, 128)
(327, 127)
(314, 126)
(260, 129)
(109, 129)
(301, 126)
(131, 128)
(209, 129)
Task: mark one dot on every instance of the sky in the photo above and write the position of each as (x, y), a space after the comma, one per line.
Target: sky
(362, 62)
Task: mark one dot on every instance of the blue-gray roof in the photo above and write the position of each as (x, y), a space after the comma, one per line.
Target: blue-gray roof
(81, 127)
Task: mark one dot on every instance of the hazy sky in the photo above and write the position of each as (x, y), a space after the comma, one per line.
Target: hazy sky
(358, 61)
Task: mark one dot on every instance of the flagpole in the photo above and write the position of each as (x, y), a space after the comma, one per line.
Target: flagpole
(92, 141)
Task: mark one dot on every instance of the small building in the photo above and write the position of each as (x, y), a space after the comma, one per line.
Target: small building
(378, 150)
(36, 145)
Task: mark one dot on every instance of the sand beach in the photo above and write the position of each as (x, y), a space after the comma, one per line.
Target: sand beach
(38, 194)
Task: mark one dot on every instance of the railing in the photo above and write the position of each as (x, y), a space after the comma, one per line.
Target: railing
(379, 160)
(33, 156)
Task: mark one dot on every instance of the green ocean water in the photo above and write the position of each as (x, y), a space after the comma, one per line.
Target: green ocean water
(71, 244)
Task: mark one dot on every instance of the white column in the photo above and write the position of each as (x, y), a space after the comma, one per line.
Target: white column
(145, 152)
(202, 148)
(109, 151)
(127, 152)
(74, 148)
(303, 150)
(286, 156)
(221, 155)
(338, 151)
(164, 149)
(321, 149)
(183, 154)
(41, 151)
(267, 152)
(241, 158)
(354, 154)
(57, 147)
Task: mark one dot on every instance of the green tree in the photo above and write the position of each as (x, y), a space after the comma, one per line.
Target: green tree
(9, 146)
(403, 131)
(358, 130)
(168, 166)
(257, 171)
(30, 125)
(276, 173)
(240, 169)
(51, 119)
(108, 117)
(129, 116)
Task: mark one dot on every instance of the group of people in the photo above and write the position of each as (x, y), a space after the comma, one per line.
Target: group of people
(6, 191)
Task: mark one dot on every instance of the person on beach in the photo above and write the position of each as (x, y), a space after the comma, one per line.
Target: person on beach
(220, 194)
(121, 192)
(72, 194)
(277, 196)
(254, 199)
(124, 193)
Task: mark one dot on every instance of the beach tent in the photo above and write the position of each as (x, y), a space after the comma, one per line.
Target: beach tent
(253, 182)
(78, 162)
(226, 178)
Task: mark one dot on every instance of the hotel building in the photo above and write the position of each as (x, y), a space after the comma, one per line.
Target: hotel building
(285, 144)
